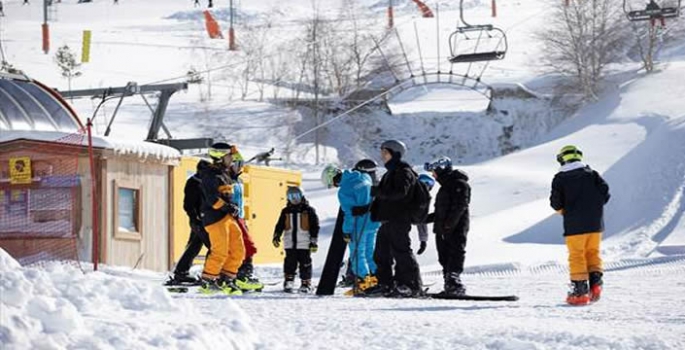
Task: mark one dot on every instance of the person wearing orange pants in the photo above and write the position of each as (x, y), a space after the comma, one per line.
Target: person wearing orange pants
(219, 217)
(579, 194)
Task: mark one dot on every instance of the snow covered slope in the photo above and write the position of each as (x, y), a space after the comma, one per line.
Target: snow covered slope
(633, 135)
(56, 306)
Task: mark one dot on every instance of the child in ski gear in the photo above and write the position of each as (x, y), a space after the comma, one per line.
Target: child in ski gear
(192, 205)
(450, 221)
(245, 279)
(359, 231)
(429, 181)
(219, 214)
(298, 224)
(579, 194)
(393, 207)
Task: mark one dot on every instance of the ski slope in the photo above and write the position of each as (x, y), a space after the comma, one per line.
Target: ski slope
(634, 135)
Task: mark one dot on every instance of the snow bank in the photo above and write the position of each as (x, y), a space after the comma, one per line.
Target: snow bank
(58, 307)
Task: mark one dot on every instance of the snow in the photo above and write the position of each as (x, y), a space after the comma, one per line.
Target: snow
(633, 135)
(56, 306)
(140, 149)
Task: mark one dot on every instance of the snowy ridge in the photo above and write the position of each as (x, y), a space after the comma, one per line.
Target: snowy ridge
(56, 306)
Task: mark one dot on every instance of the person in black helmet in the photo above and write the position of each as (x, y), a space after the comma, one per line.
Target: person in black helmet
(392, 206)
(450, 221)
(359, 231)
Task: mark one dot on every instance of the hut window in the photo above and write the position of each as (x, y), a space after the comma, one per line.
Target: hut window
(127, 216)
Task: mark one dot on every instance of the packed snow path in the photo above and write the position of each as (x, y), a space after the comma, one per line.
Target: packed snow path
(642, 308)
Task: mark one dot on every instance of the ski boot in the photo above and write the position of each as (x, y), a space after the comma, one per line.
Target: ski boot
(306, 287)
(228, 285)
(579, 294)
(289, 284)
(182, 279)
(362, 285)
(400, 291)
(210, 285)
(596, 283)
(453, 285)
(246, 281)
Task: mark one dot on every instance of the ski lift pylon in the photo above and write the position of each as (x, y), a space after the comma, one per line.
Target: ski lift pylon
(490, 42)
(653, 10)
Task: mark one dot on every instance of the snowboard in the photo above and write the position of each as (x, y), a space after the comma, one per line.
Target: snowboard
(334, 257)
(473, 297)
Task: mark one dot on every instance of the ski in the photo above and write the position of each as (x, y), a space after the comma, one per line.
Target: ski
(472, 297)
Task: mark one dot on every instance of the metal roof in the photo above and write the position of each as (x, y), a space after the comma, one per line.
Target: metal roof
(26, 104)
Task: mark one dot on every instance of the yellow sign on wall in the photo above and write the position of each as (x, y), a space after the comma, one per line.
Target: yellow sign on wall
(85, 48)
(20, 170)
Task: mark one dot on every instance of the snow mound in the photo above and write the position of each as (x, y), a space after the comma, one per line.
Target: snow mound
(58, 307)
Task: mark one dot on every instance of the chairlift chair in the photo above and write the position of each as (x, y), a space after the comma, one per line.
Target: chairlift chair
(647, 13)
(490, 42)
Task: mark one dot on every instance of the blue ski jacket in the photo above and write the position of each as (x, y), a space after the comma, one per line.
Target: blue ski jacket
(355, 191)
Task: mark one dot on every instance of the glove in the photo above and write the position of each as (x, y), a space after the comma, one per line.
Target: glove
(276, 241)
(232, 209)
(347, 237)
(313, 247)
(422, 248)
(360, 210)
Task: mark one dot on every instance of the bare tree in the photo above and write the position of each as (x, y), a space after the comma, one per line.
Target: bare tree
(581, 38)
(68, 66)
(646, 41)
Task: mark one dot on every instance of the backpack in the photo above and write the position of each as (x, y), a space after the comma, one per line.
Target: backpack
(420, 201)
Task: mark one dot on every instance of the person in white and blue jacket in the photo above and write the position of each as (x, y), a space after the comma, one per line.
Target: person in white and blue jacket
(359, 230)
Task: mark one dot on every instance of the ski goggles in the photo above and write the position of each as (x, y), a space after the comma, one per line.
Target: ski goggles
(441, 163)
(220, 153)
(294, 197)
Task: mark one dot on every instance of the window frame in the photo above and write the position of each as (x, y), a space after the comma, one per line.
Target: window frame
(138, 215)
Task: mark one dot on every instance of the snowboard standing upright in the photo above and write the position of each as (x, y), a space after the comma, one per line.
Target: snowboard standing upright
(334, 258)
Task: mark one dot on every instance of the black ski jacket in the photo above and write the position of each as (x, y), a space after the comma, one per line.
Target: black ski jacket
(451, 213)
(580, 194)
(193, 198)
(217, 189)
(301, 234)
(392, 196)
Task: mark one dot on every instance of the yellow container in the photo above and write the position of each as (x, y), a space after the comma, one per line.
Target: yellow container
(264, 197)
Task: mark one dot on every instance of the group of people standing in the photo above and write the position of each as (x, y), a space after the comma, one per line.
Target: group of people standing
(379, 214)
(377, 220)
(213, 201)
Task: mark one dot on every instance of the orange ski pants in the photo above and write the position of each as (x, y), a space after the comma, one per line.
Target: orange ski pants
(583, 255)
(227, 251)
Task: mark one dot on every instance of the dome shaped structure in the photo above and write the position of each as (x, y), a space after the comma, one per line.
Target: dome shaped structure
(28, 105)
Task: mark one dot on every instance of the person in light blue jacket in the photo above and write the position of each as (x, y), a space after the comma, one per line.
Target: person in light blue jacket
(359, 230)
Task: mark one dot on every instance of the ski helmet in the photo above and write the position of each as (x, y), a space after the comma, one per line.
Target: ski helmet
(395, 147)
(330, 176)
(569, 154)
(219, 150)
(439, 165)
(366, 166)
(428, 180)
(294, 195)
